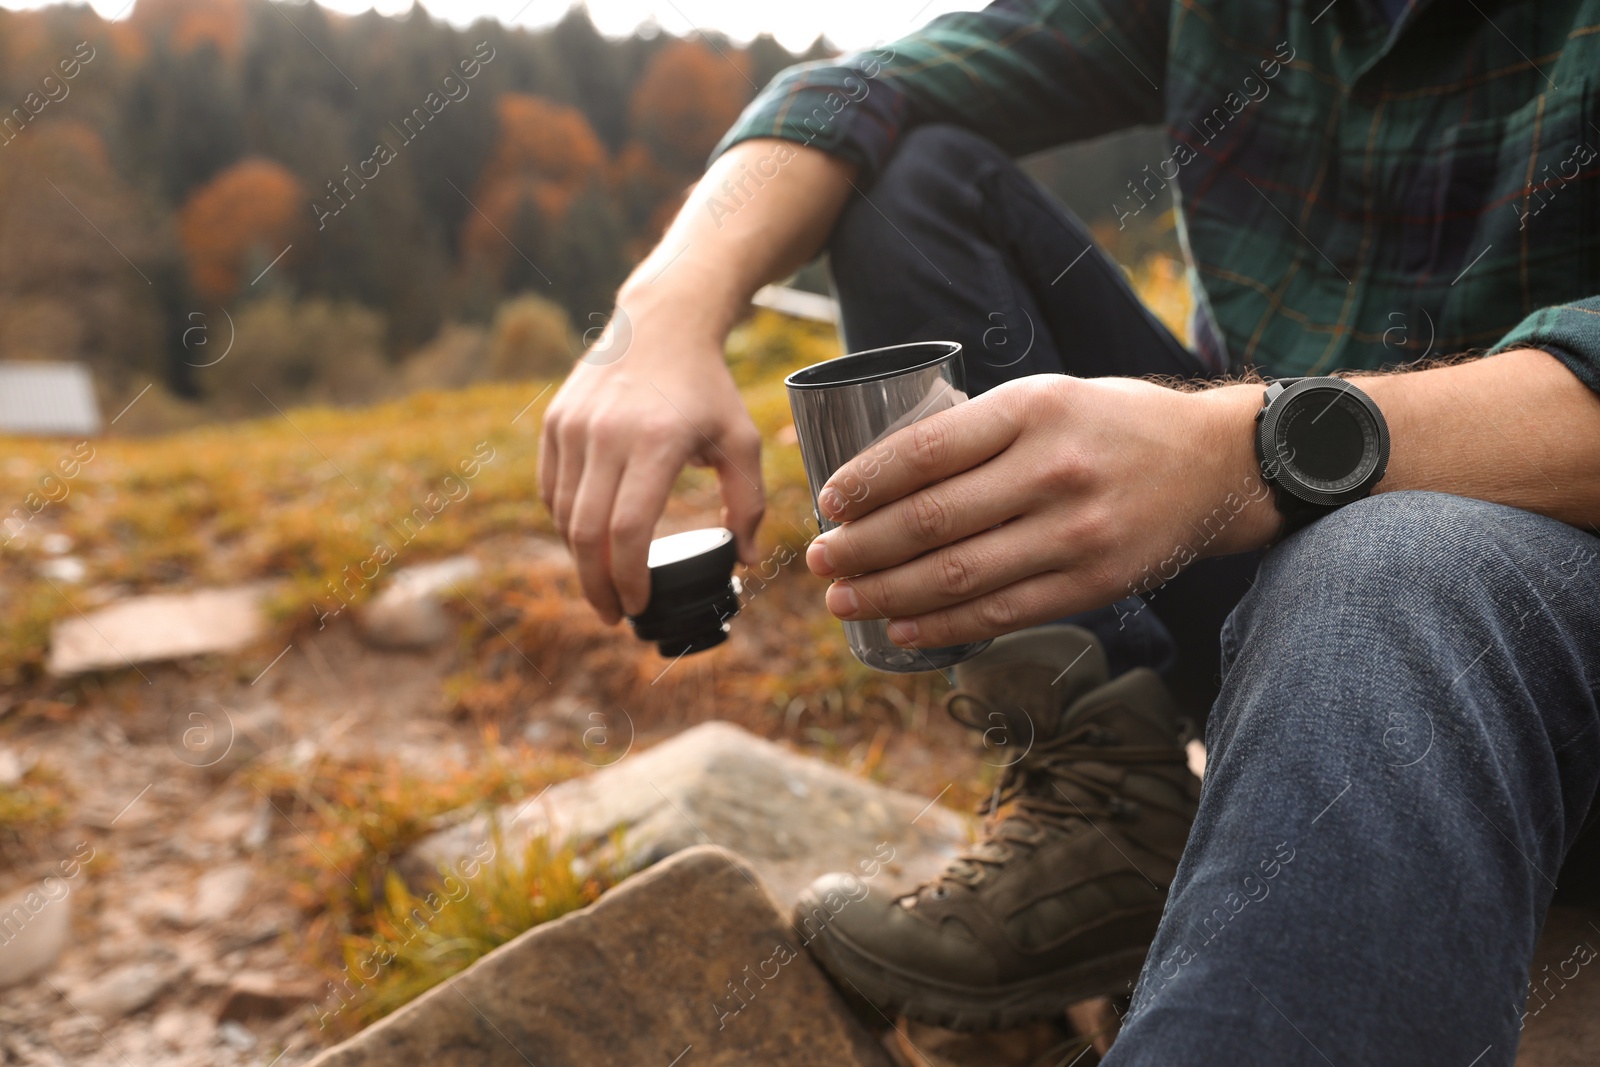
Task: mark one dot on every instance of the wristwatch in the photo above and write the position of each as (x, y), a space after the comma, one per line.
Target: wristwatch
(1322, 444)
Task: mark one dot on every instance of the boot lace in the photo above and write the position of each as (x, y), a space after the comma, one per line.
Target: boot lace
(1043, 790)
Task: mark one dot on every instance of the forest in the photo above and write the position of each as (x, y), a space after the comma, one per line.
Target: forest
(357, 205)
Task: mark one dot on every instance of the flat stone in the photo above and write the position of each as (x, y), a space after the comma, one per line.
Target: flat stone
(12, 767)
(126, 989)
(645, 975)
(241, 736)
(35, 927)
(161, 627)
(791, 817)
(253, 997)
(407, 613)
(219, 892)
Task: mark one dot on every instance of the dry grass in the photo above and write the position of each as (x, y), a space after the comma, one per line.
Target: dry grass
(30, 809)
(420, 940)
(348, 821)
(302, 499)
(305, 497)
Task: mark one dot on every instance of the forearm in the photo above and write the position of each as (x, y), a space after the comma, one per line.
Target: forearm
(1516, 428)
(762, 211)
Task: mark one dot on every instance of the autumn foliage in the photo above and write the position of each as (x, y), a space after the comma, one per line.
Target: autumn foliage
(243, 217)
(545, 155)
(209, 129)
(547, 150)
(689, 96)
(190, 24)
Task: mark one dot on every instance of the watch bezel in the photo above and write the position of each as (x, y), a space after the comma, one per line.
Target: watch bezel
(1282, 474)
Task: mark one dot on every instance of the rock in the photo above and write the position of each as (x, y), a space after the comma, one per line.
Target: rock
(914, 1044)
(1562, 1028)
(236, 1035)
(646, 975)
(408, 613)
(260, 831)
(180, 1029)
(240, 737)
(1097, 1021)
(165, 626)
(791, 817)
(252, 997)
(12, 767)
(76, 1036)
(219, 892)
(162, 906)
(124, 990)
(69, 569)
(35, 926)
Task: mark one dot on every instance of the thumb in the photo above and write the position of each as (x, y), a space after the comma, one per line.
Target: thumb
(744, 499)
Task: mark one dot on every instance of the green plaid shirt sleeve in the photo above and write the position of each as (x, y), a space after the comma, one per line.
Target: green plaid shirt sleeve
(1569, 332)
(1352, 192)
(1028, 74)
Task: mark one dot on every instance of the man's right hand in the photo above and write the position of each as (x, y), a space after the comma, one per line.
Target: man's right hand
(648, 399)
(654, 394)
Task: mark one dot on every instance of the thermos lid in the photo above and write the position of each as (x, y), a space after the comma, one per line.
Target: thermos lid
(691, 558)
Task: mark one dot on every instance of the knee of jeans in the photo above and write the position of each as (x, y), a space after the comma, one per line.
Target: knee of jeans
(934, 171)
(1395, 559)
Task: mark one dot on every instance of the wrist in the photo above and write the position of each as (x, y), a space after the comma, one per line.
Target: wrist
(1240, 513)
(683, 300)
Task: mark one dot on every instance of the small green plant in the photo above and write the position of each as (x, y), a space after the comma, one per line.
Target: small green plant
(419, 941)
(352, 819)
(29, 809)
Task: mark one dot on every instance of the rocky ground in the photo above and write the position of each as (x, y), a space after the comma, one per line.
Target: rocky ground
(171, 921)
(182, 945)
(182, 933)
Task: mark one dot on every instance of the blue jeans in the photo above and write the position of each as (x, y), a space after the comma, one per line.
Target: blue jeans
(1404, 748)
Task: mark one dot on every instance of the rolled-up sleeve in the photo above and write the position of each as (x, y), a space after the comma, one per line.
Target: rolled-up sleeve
(1027, 74)
(1569, 332)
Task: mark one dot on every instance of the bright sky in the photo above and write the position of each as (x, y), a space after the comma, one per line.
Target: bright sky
(848, 23)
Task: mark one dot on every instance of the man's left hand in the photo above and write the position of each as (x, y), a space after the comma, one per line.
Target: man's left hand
(1045, 496)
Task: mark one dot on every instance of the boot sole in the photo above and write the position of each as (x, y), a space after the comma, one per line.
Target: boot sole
(972, 1008)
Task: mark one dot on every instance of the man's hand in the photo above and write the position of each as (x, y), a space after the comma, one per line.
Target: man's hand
(615, 438)
(1045, 496)
(654, 393)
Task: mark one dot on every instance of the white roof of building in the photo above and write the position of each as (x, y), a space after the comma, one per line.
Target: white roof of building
(47, 399)
(797, 303)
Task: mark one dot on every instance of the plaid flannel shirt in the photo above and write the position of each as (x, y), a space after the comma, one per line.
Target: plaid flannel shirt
(1351, 193)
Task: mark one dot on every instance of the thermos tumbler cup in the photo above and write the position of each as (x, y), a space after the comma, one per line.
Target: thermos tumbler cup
(847, 406)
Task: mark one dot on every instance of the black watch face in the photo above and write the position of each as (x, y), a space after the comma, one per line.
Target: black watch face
(1327, 440)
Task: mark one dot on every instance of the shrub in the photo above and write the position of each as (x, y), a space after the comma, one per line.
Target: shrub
(531, 338)
(292, 354)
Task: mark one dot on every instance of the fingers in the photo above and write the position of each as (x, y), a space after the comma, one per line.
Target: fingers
(926, 452)
(744, 499)
(952, 575)
(549, 458)
(926, 520)
(588, 532)
(1021, 604)
(641, 498)
(572, 443)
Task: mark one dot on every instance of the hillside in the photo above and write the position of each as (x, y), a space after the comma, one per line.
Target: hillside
(338, 754)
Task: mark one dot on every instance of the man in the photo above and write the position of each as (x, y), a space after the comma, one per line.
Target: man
(1406, 741)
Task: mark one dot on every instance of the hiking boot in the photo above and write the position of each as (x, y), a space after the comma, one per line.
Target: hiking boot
(1059, 899)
